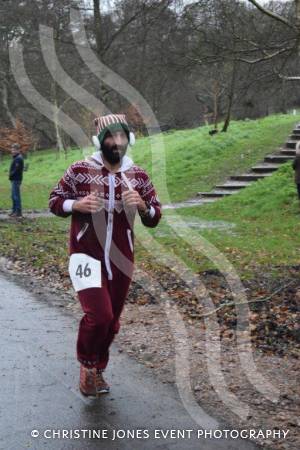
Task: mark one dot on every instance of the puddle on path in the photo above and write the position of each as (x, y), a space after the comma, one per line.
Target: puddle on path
(186, 224)
(190, 203)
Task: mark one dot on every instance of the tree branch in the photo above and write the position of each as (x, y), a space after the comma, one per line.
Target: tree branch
(272, 14)
(265, 58)
(257, 300)
(119, 31)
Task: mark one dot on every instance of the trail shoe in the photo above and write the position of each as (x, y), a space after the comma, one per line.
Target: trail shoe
(87, 381)
(100, 384)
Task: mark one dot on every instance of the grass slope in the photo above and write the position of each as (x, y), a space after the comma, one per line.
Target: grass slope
(266, 233)
(195, 161)
(265, 237)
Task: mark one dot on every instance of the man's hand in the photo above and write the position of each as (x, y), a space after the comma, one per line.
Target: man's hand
(89, 204)
(132, 199)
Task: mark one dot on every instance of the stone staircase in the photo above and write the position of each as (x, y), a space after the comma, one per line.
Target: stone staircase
(264, 169)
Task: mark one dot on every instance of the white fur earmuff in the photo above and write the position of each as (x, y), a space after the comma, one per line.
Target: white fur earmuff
(131, 138)
(96, 142)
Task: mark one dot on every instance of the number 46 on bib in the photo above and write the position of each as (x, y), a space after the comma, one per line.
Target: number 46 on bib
(85, 271)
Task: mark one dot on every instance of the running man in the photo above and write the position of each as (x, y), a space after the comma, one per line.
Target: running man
(103, 193)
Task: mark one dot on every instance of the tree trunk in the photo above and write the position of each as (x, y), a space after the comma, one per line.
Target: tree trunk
(97, 26)
(216, 95)
(297, 8)
(98, 37)
(59, 142)
(6, 105)
(230, 98)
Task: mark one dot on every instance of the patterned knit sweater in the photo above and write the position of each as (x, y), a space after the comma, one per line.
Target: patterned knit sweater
(108, 234)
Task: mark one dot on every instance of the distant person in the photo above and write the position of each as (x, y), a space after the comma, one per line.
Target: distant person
(296, 167)
(15, 177)
(103, 194)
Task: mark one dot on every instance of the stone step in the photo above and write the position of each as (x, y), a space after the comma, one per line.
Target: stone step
(233, 185)
(288, 151)
(278, 158)
(217, 193)
(291, 144)
(265, 167)
(294, 137)
(250, 176)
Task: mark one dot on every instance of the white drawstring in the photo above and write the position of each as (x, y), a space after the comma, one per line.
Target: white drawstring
(128, 184)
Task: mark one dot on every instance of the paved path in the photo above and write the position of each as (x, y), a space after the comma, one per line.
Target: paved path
(39, 378)
(28, 214)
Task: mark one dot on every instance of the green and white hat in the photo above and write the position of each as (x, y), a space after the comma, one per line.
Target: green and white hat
(111, 122)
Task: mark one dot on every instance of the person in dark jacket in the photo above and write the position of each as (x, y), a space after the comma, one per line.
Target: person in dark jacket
(15, 177)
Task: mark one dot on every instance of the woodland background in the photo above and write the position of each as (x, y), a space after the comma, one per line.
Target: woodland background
(195, 63)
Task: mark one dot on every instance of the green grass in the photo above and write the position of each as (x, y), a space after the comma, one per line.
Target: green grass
(266, 233)
(265, 237)
(195, 161)
(42, 243)
(266, 214)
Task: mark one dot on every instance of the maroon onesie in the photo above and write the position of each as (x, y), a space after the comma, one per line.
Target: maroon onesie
(108, 237)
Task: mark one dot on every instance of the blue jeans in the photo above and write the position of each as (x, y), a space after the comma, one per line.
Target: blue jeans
(16, 196)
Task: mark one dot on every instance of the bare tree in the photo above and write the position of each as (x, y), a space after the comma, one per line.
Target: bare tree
(290, 47)
(227, 59)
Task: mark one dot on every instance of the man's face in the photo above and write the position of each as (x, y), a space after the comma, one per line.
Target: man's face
(14, 151)
(114, 146)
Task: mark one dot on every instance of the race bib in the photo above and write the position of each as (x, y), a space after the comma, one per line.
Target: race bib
(85, 271)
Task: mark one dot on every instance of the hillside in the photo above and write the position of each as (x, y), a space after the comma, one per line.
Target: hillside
(263, 225)
(256, 230)
(195, 161)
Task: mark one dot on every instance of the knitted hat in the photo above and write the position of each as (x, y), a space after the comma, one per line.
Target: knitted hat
(111, 123)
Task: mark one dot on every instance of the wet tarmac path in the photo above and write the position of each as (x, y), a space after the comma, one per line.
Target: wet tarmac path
(39, 389)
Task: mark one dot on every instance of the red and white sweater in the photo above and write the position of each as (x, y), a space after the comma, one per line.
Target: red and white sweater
(108, 234)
